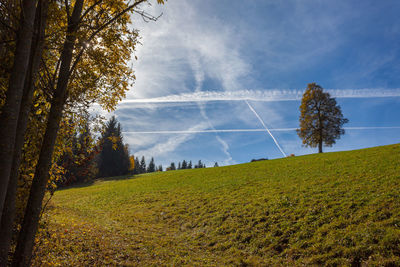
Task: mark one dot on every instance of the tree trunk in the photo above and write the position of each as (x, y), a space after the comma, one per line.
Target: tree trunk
(8, 215)
(10, 110)
(23, 252)
(320, 131)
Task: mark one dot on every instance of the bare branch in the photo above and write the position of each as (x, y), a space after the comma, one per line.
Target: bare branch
(146, 16)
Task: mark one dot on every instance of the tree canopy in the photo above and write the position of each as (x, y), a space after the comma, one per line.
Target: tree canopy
(321, 119)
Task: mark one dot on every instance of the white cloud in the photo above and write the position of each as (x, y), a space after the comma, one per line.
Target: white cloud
(183, 46)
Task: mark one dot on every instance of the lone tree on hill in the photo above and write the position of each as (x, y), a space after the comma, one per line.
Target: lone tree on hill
(321, 119)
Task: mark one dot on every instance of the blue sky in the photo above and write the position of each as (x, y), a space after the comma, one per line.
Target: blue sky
(202, 59)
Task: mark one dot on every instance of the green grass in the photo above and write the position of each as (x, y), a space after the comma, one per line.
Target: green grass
(334, 209)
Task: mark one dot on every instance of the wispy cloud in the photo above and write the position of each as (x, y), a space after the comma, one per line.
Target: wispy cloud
(171, 144)
(182, 46)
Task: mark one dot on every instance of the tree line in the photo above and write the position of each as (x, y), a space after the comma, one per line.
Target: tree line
(141, 167)
(186, 165)
(88, 158)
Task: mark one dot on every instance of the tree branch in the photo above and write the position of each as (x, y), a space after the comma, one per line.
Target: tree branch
(102, 28)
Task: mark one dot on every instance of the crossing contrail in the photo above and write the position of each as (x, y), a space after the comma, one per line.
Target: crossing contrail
(266, 128)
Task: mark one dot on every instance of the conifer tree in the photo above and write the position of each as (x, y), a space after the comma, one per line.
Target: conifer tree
(152, 166)
(179, 166)
(160, 168)
(184, 164)
(190, 165)
(142, 165)
(172, 167)
(114, 158)
(136, 169)
(199, 165)
(216, 164)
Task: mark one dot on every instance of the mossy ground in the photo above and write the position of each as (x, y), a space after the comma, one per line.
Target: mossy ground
(325, 209)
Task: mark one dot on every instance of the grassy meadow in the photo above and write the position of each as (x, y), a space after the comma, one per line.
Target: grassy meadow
(336, 209)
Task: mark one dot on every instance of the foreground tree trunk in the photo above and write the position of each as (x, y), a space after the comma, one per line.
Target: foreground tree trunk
(7, 218)
(10, 110)
(23, 251)
(320, 147)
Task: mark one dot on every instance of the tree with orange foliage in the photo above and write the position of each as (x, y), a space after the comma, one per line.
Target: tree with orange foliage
(321, 119)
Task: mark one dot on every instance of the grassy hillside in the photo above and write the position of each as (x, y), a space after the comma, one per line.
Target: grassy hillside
(335, 208)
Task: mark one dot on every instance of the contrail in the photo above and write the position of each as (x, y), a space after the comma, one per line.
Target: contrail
(263, 95)
(266, 128)
(372, 128)
(251, 130)
(210, 131)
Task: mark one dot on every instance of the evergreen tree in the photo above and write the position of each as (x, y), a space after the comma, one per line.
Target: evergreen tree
(152, 166)
(172, 167)
(216, 164)
(179, 166)
(199, 165)
(142, 165)
(184, 164)
(190, 165)
(114, 157)
(136, 169)
(160, 168)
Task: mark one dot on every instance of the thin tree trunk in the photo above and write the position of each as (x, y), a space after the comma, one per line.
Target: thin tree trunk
(10, 110)
(23, 252)
(8, 214)
(319, 131)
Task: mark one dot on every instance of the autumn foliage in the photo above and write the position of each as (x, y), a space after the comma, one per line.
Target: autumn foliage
(321, 119)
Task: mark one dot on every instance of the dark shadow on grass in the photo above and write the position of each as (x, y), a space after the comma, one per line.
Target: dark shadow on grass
(89, 183)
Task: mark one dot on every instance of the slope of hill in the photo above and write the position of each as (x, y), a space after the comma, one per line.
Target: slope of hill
(336, 208)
